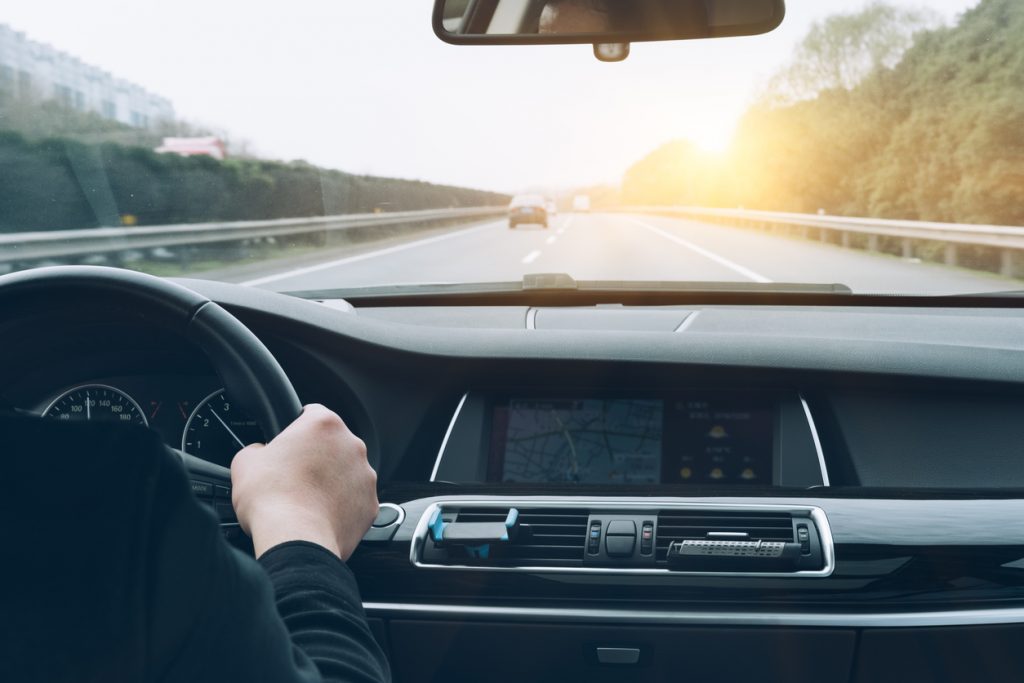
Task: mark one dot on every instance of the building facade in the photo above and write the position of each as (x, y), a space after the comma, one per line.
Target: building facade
(31, 69)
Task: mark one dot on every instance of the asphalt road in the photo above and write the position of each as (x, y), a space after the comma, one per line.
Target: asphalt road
(622, 247)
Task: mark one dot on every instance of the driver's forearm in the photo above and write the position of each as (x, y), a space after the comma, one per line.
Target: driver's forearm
(318, 599)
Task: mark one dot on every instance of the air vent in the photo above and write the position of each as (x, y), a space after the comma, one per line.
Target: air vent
(611, 537)
(699, 525)
(548, 537)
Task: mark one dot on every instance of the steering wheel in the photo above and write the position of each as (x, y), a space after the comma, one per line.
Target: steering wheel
(250, 373)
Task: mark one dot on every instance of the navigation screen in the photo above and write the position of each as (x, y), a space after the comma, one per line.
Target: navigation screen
(583, 441)
(630, 441)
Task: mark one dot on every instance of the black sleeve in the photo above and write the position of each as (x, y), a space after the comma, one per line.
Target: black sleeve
(318, 599)
(113, 571)
(215, 618)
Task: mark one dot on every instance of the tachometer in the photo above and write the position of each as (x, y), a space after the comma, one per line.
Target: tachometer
(217, 429)
(95, 403)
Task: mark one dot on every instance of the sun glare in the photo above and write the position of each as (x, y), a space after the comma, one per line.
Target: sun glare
(713, 137)
(712, 144)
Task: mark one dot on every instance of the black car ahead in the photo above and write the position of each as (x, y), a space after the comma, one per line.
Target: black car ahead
(527, 208)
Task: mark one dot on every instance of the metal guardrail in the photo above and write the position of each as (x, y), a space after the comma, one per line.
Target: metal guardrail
(1007, 241)
(65, 245)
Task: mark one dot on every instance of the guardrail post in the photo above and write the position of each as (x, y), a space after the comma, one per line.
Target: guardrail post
(1007, 263)
(823, 234)
(950, 254)
(872, 242)
(907, 247)
(845, 237)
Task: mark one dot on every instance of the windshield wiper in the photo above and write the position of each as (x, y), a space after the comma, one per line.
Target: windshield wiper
(561, 289)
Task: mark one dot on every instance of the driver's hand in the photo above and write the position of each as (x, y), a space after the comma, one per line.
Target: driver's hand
(311, 483)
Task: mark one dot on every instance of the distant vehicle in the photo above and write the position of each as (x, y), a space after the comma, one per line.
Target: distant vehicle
(527, 208)
(581, 203)
(551, 207)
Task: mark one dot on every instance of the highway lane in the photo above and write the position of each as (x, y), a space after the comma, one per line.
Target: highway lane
(626, 247)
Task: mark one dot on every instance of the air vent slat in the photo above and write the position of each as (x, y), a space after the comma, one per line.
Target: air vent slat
(539, 538)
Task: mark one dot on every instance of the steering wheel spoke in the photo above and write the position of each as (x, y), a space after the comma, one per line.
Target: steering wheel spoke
(211, 484)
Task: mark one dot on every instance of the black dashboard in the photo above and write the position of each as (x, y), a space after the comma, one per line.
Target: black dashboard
(600, 475)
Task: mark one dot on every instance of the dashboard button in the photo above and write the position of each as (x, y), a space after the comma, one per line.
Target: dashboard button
(202, 488)
(803, 537)
(225, 512)
(647, 538)
(594, 540)
(619, 546)
(222, 491)
(622, 527)
(386, 516)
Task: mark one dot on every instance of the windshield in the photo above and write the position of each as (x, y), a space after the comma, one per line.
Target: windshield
(324, 145)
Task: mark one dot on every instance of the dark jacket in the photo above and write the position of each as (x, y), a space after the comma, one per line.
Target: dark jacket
(110, 570)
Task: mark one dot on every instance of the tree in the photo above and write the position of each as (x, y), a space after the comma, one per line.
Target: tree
(844, 49)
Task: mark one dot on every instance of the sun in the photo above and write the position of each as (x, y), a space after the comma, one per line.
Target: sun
(713, 139)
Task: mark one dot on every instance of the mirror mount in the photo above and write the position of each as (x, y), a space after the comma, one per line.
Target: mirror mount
(611, 52)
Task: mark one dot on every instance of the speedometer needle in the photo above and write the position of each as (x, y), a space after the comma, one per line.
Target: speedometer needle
(88, 408)
(225, 424)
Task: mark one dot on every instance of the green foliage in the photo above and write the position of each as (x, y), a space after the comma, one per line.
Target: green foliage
(842, 50)
(936, 136)
(59, 184)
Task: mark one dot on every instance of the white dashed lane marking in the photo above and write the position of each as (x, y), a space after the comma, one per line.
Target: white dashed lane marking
(532, 256)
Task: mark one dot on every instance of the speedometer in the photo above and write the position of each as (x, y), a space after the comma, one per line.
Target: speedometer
(95, 403)
(217, 429)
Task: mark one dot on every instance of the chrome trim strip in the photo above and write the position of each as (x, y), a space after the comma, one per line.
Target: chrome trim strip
(687, 321)
(447, 435)
(817, 441)
(816, 514)
(1007, 615)
(531, 318)
(397, 522)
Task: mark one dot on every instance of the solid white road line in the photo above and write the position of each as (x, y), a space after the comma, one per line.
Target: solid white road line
(550, 240)
(532, 256)
(367, 255)
(720, 260)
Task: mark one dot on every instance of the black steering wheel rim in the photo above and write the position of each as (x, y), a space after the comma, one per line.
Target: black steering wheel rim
(248, 370)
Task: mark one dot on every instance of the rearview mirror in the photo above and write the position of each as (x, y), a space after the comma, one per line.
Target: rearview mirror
(547, 22)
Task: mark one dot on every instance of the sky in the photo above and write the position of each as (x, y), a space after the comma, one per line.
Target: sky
(365, 86)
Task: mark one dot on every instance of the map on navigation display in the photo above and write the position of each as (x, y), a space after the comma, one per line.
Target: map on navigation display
(590, 441)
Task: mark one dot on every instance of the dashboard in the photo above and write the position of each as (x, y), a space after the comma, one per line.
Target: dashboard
(834, 486)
